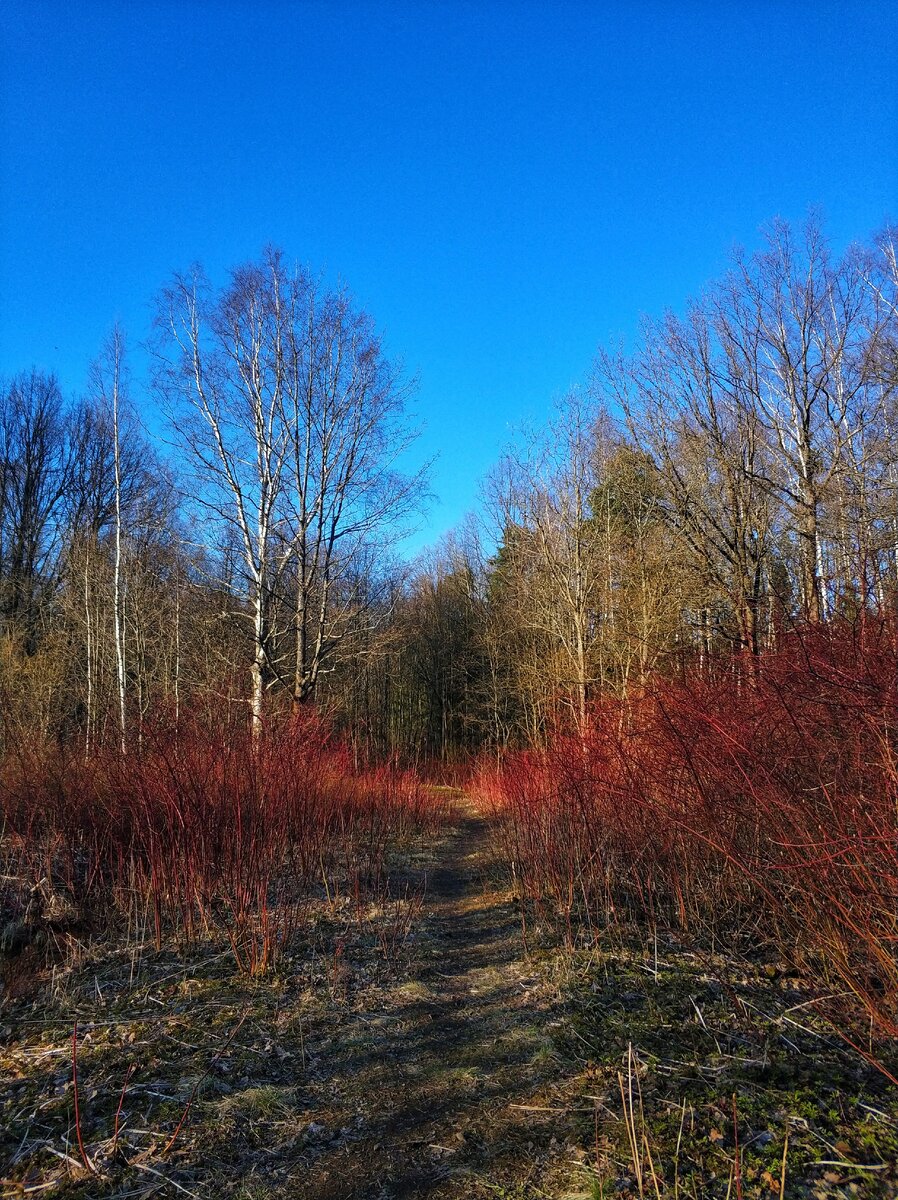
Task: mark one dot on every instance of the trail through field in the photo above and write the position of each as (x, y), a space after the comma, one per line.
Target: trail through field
(449, 1080)
(408, 1046)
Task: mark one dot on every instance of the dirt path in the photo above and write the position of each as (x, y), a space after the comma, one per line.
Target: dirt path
(448, 1081)
(422, 1066)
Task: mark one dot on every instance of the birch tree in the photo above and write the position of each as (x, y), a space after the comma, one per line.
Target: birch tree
(292, 419)
(109, 385)
(346, 431)
(792, 322)
(220, 367)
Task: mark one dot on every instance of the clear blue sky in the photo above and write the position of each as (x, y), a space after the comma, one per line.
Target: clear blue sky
(503, 185)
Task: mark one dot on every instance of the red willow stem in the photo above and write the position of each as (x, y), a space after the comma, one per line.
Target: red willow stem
(738, 1152)
(121, 1101)
(84, 1157)
(196, 1087)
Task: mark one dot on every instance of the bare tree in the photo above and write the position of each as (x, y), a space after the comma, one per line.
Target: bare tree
(34, 473)
(543, 499)
(881, 280)
(684, 408)
(792, 323)
(220, 364)
(109, 384)
(293, 420)
(346, 430)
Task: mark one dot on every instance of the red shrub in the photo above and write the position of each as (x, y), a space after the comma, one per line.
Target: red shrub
(209, 827)
(768, 791)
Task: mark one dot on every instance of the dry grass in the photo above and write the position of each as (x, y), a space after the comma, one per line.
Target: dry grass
(461, 1067)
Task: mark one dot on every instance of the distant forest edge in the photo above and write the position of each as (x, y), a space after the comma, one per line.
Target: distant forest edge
(702, 499)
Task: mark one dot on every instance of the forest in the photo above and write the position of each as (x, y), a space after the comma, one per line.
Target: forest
(650, 689)
(724, 486)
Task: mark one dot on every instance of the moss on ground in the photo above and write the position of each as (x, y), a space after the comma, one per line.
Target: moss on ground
(728, 1080)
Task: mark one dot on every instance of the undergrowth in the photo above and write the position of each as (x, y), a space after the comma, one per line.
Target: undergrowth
(196, 830)
(757, 804)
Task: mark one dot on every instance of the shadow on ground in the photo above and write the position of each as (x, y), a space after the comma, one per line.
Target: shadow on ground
(451, 1088)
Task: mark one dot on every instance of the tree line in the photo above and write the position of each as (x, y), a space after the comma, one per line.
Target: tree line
(733, 475)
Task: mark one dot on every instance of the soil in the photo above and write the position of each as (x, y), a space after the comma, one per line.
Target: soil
(454, 1092)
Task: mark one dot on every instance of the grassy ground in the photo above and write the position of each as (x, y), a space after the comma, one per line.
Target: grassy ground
(713, 1077)
(413, 1048)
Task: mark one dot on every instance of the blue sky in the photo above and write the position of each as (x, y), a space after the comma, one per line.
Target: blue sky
(503, 186)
